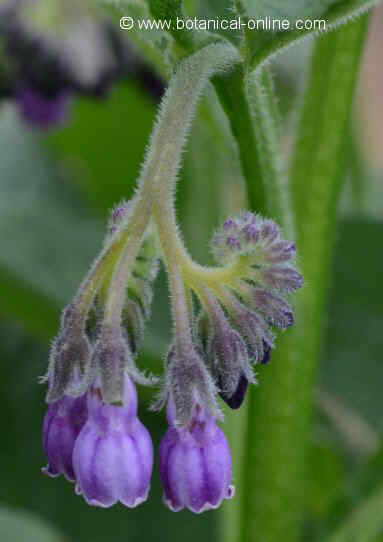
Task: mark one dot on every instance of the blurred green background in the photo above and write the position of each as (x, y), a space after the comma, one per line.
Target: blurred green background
(55, 194)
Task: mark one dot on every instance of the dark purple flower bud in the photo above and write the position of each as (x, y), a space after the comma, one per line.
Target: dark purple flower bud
(266, 354)
(282, 277)
(113, 454)
(236, 399)
(196, 465)
(41, 111)
(62, 424)
(274, 307)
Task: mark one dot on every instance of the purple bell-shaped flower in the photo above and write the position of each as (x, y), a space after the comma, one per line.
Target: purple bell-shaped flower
(113, 454)
(62, 424)
(195, 464)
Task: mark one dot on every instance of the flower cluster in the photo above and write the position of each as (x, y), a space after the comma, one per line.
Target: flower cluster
(91, 431)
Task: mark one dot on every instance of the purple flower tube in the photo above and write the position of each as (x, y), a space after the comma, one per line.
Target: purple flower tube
(113, 454)
(62, 424)
(195, 464)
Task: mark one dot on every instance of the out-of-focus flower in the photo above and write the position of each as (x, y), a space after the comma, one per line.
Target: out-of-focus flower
(54, 50)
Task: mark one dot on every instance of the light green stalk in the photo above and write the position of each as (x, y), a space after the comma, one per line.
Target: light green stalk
(278, 427)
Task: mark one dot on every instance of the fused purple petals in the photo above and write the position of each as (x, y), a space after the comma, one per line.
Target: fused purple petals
(62, 424)
(113, 466)
(195, 466)
(113, 454)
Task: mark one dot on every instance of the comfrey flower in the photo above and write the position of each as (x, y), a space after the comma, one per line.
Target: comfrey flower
(56, 52)
(62, 425)
(113, 454)
(195, 463)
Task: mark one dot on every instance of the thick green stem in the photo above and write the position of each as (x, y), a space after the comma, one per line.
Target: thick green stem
(279, 410)
(265, 115)
(232, 94)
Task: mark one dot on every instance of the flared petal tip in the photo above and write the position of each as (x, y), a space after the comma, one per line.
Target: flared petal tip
(129, 503)
(177, 507)
(52, 473)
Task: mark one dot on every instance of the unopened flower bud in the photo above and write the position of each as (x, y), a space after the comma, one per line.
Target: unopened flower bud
(229, 360)
(252, 236)
(110, 357)
(189, 380)
(69, 359)
(255, 331)
(274, 308)
(280, 252)
(118, 215)
(282, 277)
(269, 230)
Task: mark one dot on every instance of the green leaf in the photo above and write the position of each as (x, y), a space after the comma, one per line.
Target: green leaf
(265, 45)
(290, 9)
(156, 44)
(47, 238)
(19, 526)
(365, 522)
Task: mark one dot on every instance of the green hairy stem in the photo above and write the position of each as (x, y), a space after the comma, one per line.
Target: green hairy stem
(273, 470)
